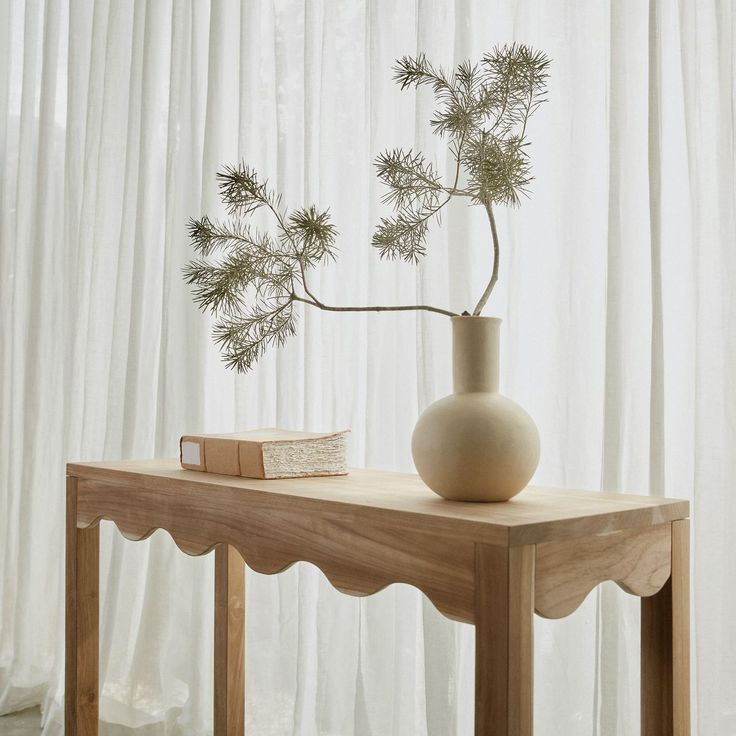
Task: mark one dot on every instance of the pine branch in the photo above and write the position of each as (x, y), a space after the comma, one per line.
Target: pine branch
(403, 235)
(409, 177)
(517, 76)
(251, 261)
(413, 189)
(251, 279)
(498, 169)
(376, 308)
(312, 235)
(242, 192)
(243, 340)
(496, 262)
(484, 109)
(415, 71)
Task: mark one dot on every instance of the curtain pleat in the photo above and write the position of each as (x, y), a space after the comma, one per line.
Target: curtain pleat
(616, 291)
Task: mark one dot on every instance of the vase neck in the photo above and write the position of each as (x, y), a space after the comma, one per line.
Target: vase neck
(475, 346)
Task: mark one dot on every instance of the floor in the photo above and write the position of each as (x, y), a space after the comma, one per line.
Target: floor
(24, 723)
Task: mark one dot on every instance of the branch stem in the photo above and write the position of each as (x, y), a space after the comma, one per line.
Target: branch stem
(496, 257)
(399, 308)
(459, 192)
(315, 302)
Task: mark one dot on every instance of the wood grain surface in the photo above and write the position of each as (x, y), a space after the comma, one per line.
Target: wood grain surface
(665, 647)
(81, 710)
(637, 559)
(487, 564)
(535, 515)
(229, 650)
(358, 551)
(504, 648)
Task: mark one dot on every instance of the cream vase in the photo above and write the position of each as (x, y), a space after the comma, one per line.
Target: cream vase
(475, 445)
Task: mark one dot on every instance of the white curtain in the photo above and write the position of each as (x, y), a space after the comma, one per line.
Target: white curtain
(617, 294)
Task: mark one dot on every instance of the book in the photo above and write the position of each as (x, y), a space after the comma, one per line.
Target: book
(266, 453)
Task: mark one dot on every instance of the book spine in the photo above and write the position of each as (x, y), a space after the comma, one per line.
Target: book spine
(250, 456)
(222, 455)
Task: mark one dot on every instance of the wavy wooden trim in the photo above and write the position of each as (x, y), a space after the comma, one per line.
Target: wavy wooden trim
(194, 549)
(638, 560)
(357, 554)
(134, 533)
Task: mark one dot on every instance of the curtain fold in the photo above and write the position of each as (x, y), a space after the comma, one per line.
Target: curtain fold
(616, 290)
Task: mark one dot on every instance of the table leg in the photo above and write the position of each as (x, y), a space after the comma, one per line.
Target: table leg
(665, 647)
(81, 700)
(229, 642)
(504, 651)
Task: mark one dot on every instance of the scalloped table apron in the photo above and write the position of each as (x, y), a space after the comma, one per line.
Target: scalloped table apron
(491, 565)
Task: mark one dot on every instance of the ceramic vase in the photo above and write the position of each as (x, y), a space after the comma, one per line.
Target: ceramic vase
(475, 445)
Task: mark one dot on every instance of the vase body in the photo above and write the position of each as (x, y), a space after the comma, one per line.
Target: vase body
(475, 445)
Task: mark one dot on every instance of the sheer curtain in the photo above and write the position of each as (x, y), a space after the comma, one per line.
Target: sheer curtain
(617, 294)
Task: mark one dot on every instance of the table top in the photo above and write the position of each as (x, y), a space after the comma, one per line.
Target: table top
(535, 515)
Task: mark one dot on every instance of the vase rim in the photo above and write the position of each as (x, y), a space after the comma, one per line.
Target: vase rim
(476, 317)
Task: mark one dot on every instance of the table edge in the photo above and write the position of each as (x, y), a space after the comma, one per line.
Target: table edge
(665, 510)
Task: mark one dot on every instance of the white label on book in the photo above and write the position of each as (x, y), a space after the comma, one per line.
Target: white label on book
(190, 453)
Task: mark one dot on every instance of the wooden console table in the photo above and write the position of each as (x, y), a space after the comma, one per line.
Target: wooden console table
(492, 565)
